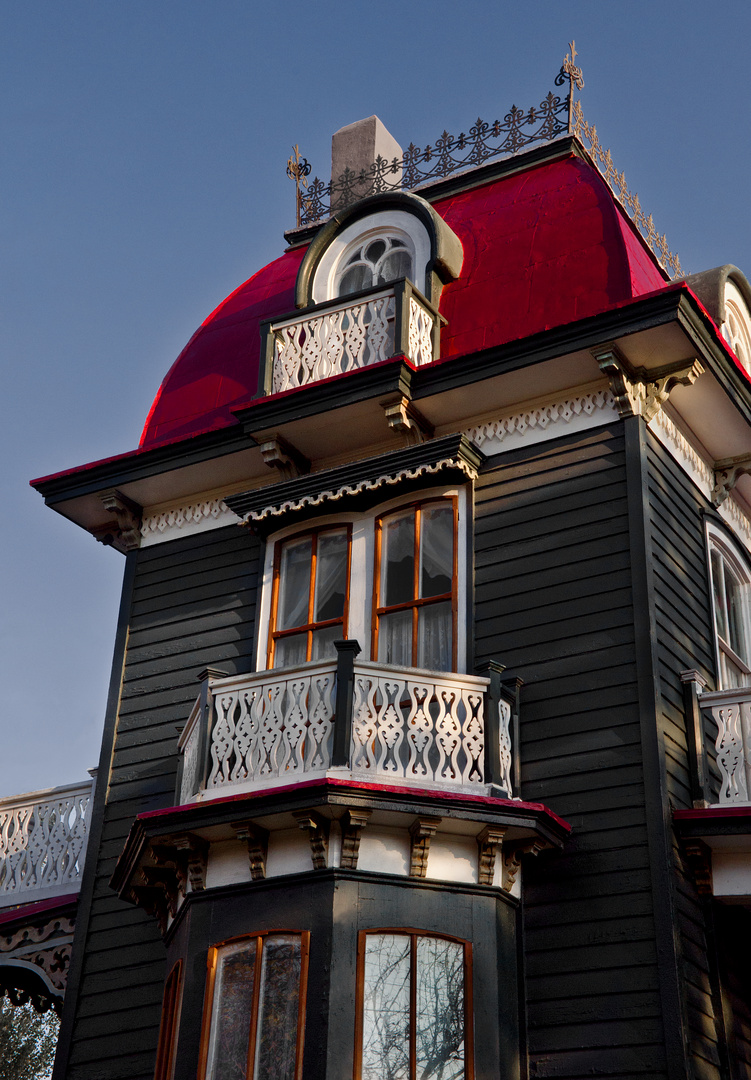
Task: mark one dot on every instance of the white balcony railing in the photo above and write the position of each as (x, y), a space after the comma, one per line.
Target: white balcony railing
(348, 334)
(43, 838)
(377, 723)
(731, 711)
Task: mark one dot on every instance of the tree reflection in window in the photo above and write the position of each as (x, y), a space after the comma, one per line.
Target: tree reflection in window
(413, 1010)
(256, 989)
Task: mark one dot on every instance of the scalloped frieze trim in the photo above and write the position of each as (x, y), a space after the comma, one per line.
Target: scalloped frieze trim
(185, 521)
(363, 485)
(700, 472)
(544, 422)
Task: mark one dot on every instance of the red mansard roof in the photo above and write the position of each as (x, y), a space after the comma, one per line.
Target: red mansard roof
(542, 248)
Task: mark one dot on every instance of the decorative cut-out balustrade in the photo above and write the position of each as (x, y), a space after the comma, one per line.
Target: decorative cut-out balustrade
(43, 839)
(363, 720)
(731, 711)
(344, 335)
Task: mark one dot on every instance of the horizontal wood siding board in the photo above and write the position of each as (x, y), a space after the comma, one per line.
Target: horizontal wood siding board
(553, 602)
(193, 606)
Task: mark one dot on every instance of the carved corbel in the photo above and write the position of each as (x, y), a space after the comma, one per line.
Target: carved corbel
(153, 901)
(637, 391)
(404, 419)
(195, 851)
(353, 823)
(317, 836)
(125, 532)
(421, 831)
(512, 859)
(164, 878)
(489, 844)
(257, 842)
(727, 473)
(699, 858)
(278, 454)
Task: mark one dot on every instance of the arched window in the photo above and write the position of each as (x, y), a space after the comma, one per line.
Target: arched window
(374, 261)
(731, 594)
(735, 329)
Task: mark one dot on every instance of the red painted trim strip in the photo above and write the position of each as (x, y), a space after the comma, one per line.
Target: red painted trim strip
(27, 911)
(484, 800)
(712, 813)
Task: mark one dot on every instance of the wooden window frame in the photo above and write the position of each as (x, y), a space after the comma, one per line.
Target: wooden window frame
(311, 626)
(416, 602)
(726, 654)
(171, 1003)
(413, 934)
(212, 963)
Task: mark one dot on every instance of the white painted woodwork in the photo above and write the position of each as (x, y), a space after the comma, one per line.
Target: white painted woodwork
(227, 864)
(384, 850)
(731, 711)
(731, 875)
(350, 336)
(43, 838)
(453, 858)
(289, 853)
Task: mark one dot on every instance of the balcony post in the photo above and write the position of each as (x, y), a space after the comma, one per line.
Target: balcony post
(347, 651)
(402, 293)
(492, 670)
(693, 684)
(511, 686)
(205, 722)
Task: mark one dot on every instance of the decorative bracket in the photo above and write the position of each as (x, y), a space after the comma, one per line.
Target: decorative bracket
(405, 419)
(699, 858)
(421, 831)
(257, 841)
(489, 844)
(727, 473)
(353, 823)
(512, 859)
(125, 533)
(637, 391)
(279, 454)
(316, 830)
(196, 852)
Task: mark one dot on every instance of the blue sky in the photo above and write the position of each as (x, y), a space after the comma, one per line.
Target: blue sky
(143, 178)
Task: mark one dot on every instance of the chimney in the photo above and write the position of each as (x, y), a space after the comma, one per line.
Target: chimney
(356, 147)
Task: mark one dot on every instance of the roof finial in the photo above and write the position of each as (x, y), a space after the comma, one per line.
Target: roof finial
(570, 71)
(297, 169)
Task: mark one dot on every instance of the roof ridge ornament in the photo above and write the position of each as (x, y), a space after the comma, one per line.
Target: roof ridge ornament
(630, 203)
(570, 71)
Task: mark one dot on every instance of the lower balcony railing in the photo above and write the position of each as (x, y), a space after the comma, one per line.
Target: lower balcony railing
(365, 720)
(43, 839)
(340, 336)
(731, 712)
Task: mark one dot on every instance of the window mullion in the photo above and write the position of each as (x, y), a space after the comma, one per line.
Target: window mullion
(413, 1007)
(311, 595)
(251, 1068)
(416, 582)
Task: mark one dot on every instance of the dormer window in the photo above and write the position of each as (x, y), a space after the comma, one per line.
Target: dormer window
(376, 261)
(735, 328)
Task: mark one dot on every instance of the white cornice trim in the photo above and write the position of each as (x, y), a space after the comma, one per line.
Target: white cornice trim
(542, 422)
(363, 485)
(186, 521)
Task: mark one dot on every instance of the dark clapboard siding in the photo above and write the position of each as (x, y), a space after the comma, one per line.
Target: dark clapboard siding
(684, 640)
(193, 605)
(554, 603)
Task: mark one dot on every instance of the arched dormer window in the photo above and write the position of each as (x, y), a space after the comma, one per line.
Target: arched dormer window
(735, 329)
(374, 260)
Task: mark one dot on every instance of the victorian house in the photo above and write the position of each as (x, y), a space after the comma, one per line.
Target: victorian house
(428, 744)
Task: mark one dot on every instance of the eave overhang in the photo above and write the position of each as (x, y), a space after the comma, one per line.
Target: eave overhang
(666, 327)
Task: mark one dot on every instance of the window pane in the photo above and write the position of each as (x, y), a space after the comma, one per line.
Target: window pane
(398, 559)
(294, 584)
(331, 576)
(375, 250)
(231, 1011)
(290, 651)
(395, 638)
(397, 264)
(434, 636)
(735, 594)
(436, 550)
(323, 643)
(279, 999)
(719, 597)
(385, 1041)
(355, 279)
(439, 1021)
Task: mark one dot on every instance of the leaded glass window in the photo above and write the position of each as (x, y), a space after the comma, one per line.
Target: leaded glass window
(374, 262)
(256, 992)
(414, 1015)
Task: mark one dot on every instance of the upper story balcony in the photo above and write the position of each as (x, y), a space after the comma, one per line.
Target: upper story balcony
(43, 837)
(349, 333)
(348, 719)
(731, 712)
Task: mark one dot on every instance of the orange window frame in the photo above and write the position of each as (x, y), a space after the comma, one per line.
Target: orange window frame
(165, 1053)
(413, 934)
(310, 626)
(416, 602)
(212, 963)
